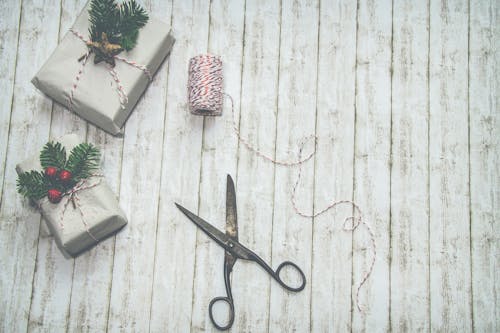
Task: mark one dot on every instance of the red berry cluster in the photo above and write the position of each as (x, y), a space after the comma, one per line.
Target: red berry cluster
(64, 176)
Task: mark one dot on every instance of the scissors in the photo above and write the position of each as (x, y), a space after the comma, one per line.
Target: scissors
(234, 250)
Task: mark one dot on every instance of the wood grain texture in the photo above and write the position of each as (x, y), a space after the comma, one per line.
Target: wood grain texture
(255, 184)
(9, 37)
(450, 276)
(372, 157)
(292, 234)
(133, 263)
(484, 129)
(410, 304)
(218, 159)
(19, 226)
(180, 177)
(332, 247)
(404, 98)
(54, 274)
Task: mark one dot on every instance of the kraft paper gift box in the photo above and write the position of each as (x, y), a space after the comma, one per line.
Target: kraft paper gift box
(94, 93)
(95, 216)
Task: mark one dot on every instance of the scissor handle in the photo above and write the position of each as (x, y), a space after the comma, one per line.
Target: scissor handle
(276, 274)
(227, 299)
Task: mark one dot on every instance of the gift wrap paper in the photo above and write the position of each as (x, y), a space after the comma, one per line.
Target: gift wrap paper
(96, 98)
(98, 204)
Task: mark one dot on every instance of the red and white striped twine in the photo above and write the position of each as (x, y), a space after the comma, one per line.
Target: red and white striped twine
(205, 93)
(72, 196)
(119, 87)
(205, 83)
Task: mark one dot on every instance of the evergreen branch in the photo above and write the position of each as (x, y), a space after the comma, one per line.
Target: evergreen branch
(83, 161)
(103, 17)
(32, 184)
(53, 154)
(132, 16)
(120, 23)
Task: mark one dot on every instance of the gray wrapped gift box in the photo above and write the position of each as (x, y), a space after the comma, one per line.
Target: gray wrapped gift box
(73, 232)
(96, 97)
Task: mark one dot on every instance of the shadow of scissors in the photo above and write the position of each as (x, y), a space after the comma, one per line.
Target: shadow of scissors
(233, 251)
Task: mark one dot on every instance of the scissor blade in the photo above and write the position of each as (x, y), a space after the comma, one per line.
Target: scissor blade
(207, 228)
(231, 214)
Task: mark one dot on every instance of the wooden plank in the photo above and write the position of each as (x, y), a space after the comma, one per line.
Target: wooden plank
(372, 163)
(484, 104)
(171, 309)
(93, 270)
(450, 276)
(54, 275)
(219, 158)
(292, 234)
(410, 173)
(255, 184)
(133, 265)
(10, 13)
(332, 247)
(29, 129)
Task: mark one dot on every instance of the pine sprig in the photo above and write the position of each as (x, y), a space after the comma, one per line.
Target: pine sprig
(114, 27)
(53, 154)
(132, 18)
(83, 161)
(33, 184)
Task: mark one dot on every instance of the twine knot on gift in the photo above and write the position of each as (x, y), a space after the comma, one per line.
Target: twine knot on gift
(100, 48)
(71, 196)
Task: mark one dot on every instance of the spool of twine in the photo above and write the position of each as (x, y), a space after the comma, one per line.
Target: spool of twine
(205, 85)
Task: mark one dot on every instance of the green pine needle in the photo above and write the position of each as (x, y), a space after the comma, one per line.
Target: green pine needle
(83, 161)
(120, 23)
(33, 184)
(53, 155)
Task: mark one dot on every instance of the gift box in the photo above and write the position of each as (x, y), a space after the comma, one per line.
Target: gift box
(100, 93)
(85, 217)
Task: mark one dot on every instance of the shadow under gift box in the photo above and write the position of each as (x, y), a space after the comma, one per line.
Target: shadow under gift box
(96, 96)
(102, 215)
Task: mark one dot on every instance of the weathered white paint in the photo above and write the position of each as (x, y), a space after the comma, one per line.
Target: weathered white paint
(180, 177)
(450, 275)
(372, 162)
(255, 183)
(219, 158)
(331, 262)
(29, 130)
(410, 303)
(296, 119)
(484, 129)
(10, 12)
(292, 68)
(54, 274)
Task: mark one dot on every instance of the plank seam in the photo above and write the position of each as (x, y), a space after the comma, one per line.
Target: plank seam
(274, 166)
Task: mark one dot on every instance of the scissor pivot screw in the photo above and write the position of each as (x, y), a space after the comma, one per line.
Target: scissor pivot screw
(230, 244)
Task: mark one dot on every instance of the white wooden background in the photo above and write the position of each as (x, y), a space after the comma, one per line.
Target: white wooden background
(404, 97)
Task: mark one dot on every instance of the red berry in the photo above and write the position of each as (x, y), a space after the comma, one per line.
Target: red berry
(54, 195)
(51, 172)
(65, 176)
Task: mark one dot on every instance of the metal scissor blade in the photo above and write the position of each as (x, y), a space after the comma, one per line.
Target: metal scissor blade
(207, 228)
(231, 214)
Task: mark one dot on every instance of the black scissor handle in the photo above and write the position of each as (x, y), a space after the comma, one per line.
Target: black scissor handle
(227, 300)
(277, 276)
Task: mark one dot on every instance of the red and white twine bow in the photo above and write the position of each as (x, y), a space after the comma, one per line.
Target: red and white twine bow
(71, 196)
(119, 87)
(205, 97)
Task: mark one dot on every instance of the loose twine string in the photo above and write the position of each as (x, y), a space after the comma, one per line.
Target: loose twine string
(205, 94)
(112, 72)
(71, 195)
